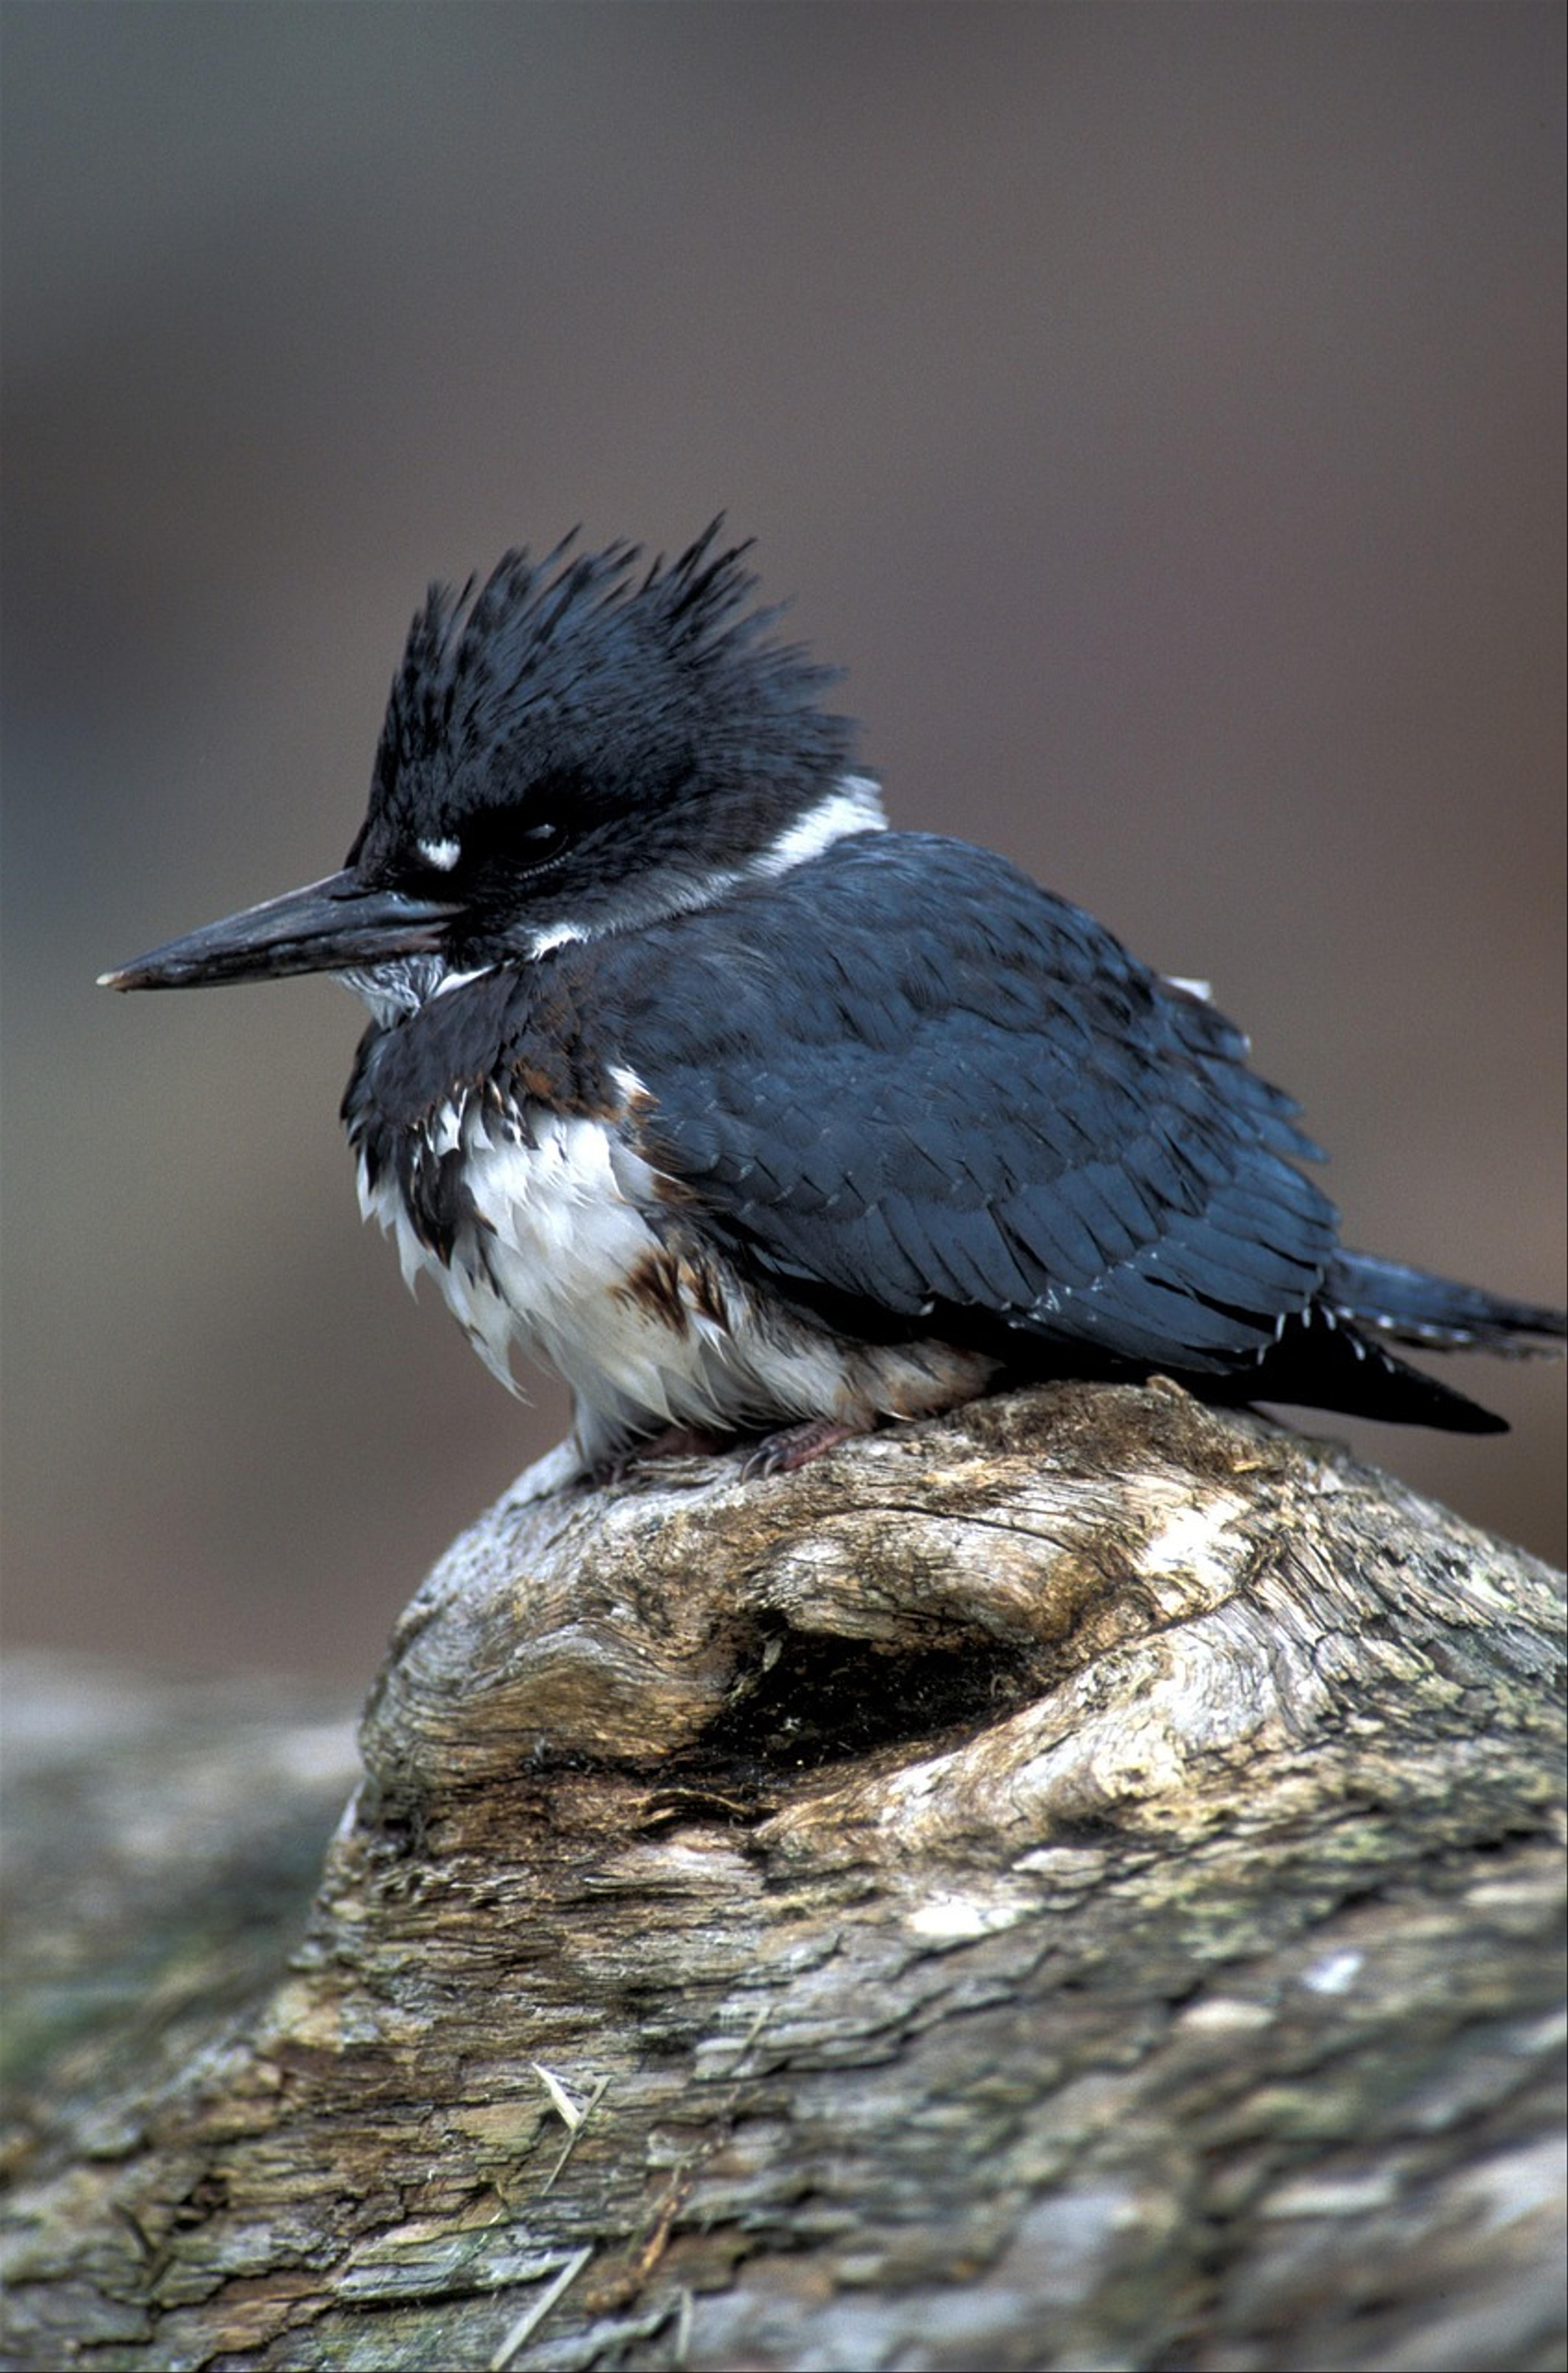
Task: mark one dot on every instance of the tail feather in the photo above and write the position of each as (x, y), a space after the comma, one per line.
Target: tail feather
(1323, 1362)
(1334, 1354)
(1411, 1305)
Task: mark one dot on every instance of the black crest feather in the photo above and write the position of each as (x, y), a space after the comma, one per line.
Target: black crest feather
(588, 660)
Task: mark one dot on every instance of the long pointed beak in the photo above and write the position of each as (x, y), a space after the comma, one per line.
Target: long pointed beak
(335, 925)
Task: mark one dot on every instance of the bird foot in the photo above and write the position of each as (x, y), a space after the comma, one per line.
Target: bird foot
(797, 1445)
(776, 1454)
(674, 1442)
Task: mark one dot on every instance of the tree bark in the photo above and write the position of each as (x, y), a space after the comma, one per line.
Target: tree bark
(1074, 1885)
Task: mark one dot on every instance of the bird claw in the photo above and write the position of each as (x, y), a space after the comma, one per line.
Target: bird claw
(674, 1442)
(795, 1446)
(776, 1454)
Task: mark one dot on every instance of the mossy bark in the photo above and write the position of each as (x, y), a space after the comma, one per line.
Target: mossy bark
(1074, 1885)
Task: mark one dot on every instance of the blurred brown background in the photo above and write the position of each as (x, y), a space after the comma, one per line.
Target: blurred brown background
(1158, 410)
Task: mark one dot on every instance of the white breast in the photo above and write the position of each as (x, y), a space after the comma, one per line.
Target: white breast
(564, 1262)
(554, 1234)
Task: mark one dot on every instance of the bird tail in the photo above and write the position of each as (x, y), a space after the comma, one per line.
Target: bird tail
(1334, 1354)
(1435, 1313)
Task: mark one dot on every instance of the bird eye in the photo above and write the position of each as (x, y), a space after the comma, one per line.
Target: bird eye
(541, 841)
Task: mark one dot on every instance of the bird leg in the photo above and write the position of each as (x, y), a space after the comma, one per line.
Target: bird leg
(775, 1453)
(674, 1442)
(796, 1445)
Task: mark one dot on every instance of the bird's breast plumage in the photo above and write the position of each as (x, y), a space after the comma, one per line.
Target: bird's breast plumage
(510, 1163)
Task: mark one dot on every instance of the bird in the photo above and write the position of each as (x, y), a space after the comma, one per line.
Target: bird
(764, 1124)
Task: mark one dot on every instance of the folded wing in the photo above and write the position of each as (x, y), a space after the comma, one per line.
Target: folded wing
(909, 1085)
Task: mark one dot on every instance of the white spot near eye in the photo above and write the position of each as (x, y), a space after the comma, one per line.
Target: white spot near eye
(439, 855)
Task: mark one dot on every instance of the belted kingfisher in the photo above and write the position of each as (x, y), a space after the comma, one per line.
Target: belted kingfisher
(752, 1116)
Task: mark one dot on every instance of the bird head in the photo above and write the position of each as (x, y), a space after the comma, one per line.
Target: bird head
(582, 744)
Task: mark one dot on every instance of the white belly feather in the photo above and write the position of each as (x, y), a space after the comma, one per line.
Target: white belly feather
(549, 1268)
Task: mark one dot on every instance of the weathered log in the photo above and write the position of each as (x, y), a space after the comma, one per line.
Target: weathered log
(1074, 1885)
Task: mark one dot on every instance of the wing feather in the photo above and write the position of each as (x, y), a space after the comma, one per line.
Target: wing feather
(906, 1075)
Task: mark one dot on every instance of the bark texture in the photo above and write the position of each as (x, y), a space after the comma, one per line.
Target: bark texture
(1077, 1884)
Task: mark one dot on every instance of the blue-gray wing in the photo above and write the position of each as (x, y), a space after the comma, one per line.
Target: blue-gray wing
(904, 1078)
